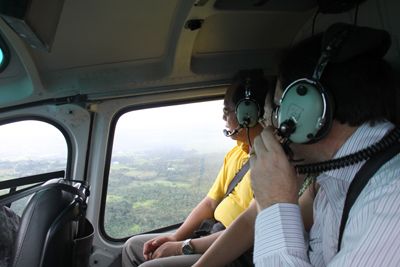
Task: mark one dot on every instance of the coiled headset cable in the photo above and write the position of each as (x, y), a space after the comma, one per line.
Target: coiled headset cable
(364, 154)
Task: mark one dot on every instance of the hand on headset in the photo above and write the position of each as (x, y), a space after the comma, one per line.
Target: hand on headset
(273, 178)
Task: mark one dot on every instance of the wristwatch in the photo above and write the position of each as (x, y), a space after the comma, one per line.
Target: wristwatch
(187, 248)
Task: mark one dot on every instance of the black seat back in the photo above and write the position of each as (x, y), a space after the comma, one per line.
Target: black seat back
(50, 224)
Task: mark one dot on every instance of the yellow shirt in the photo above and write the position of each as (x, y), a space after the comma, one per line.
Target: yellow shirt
(237, 201)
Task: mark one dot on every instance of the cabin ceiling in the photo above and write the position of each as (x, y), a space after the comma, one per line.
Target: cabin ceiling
(104, 48)
(96, 32)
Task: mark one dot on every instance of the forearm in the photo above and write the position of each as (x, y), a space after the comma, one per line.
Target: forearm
(205, 209)
(227, 247)
(203, 243)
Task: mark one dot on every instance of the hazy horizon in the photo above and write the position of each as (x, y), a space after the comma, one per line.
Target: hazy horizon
(136, 131)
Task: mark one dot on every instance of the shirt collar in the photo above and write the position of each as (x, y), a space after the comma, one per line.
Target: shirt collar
(245, 147)
(364, 136)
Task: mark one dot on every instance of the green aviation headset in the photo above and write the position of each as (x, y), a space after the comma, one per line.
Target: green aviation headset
(305, 110)
(247, 109)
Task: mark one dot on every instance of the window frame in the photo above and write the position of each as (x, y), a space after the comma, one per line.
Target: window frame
(53, 123)
(110, 142)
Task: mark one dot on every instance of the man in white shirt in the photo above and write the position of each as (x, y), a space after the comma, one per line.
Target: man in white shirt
(360, 84)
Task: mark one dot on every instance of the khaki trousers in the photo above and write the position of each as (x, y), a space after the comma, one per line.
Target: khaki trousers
(132, 255)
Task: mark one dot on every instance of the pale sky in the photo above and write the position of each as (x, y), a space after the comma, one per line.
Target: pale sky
(31, 140)
(191, 126)
(196, 126)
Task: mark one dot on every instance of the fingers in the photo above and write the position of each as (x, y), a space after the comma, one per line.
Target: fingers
(147, 251)
(265, 143)
(148, 256)
(253, 158)
(167, 249)
(149, 247)
(161, 240)
(155, 255)
(259, 147)
(146, 246)
(269, 140)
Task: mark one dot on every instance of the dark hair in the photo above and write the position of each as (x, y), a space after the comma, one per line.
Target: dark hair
(363, 87)
(259, 87)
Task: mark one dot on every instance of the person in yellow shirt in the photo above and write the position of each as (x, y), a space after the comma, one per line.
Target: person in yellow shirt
(243, 107)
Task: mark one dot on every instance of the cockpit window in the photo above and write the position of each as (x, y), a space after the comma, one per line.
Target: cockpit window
(164, 160)
(30, 148)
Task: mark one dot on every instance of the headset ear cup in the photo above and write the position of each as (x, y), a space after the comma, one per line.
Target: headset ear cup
(328, 120)
(247, 113)
(304, 107)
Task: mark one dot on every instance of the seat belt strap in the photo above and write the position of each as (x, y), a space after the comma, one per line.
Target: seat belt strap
(238, 177)
(361, 179)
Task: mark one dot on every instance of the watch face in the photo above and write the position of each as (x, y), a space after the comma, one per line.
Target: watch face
(187, 249)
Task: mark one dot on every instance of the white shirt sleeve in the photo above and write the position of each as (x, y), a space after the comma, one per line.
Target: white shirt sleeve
(371, 236)
(279, 237)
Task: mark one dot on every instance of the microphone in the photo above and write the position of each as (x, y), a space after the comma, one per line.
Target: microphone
(228, 133)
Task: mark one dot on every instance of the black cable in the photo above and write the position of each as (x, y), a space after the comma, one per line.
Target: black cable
(313, 22)
(356, 14)
(248, 136)
(364, 154)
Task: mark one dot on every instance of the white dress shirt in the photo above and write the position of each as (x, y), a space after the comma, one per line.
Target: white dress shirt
(372, 233)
